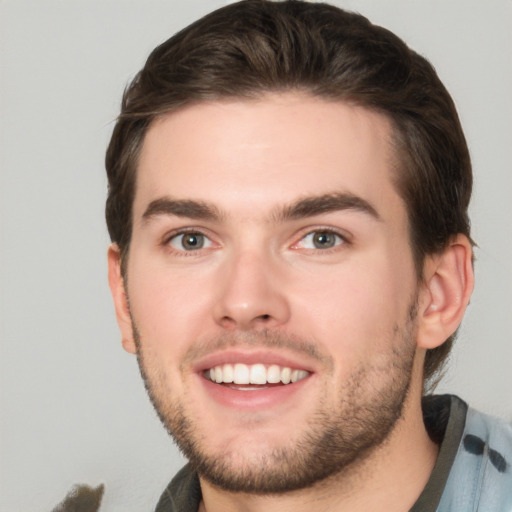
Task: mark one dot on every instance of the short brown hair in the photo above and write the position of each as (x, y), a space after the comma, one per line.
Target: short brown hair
(249, 48)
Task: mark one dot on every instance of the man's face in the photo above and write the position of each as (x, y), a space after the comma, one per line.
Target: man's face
(269, 244)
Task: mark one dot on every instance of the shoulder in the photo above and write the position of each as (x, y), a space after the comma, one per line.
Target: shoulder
(487, 444)
(492, 435)
(183, 494)
(481, 475)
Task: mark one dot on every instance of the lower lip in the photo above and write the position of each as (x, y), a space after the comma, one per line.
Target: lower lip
(256, 398)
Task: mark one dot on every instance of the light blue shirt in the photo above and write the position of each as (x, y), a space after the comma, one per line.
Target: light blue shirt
(481, 475)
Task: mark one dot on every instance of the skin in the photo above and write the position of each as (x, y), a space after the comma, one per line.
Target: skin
(259, 274)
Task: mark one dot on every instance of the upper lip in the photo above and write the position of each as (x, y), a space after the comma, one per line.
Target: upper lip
(250, 357)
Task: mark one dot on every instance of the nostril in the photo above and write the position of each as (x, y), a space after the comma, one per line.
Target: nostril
(265, 317)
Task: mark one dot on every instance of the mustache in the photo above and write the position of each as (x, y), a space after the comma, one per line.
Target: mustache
(262, 339)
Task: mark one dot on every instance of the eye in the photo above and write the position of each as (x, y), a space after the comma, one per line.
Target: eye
(190, 241)
(323, 239)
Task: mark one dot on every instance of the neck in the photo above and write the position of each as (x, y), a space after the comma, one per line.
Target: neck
(390, 479)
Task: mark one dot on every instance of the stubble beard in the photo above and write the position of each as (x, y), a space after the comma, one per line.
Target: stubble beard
(333, 441)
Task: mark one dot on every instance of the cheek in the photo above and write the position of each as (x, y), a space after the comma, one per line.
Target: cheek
(355, 310)
(168, 308)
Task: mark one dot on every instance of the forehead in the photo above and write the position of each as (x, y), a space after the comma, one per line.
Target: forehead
(249, 155)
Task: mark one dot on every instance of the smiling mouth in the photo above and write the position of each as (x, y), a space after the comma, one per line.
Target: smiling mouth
(240, 374)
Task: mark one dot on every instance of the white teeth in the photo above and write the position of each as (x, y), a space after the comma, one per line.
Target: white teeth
(241, 374)
(299, 375)
(273, 374)
(258, 374)
(286, 374)
(228, 374)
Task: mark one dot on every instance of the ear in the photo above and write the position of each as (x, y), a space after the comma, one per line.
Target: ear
(117, 288)
(448, 282)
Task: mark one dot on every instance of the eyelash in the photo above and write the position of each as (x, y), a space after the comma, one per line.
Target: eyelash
(343, 240)
(166, 242)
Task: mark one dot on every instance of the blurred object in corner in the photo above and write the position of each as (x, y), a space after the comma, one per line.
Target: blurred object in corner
(81, 498)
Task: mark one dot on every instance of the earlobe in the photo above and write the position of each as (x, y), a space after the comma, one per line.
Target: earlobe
(446, 290)
(117, 288)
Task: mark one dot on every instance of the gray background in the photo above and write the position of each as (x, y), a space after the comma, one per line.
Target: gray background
(73, 408)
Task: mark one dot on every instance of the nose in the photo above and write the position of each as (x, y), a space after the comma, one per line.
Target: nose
(251, 294)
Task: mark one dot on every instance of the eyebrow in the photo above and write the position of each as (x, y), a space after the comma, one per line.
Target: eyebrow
(302, 208)
(326, 203)
(189, 208)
